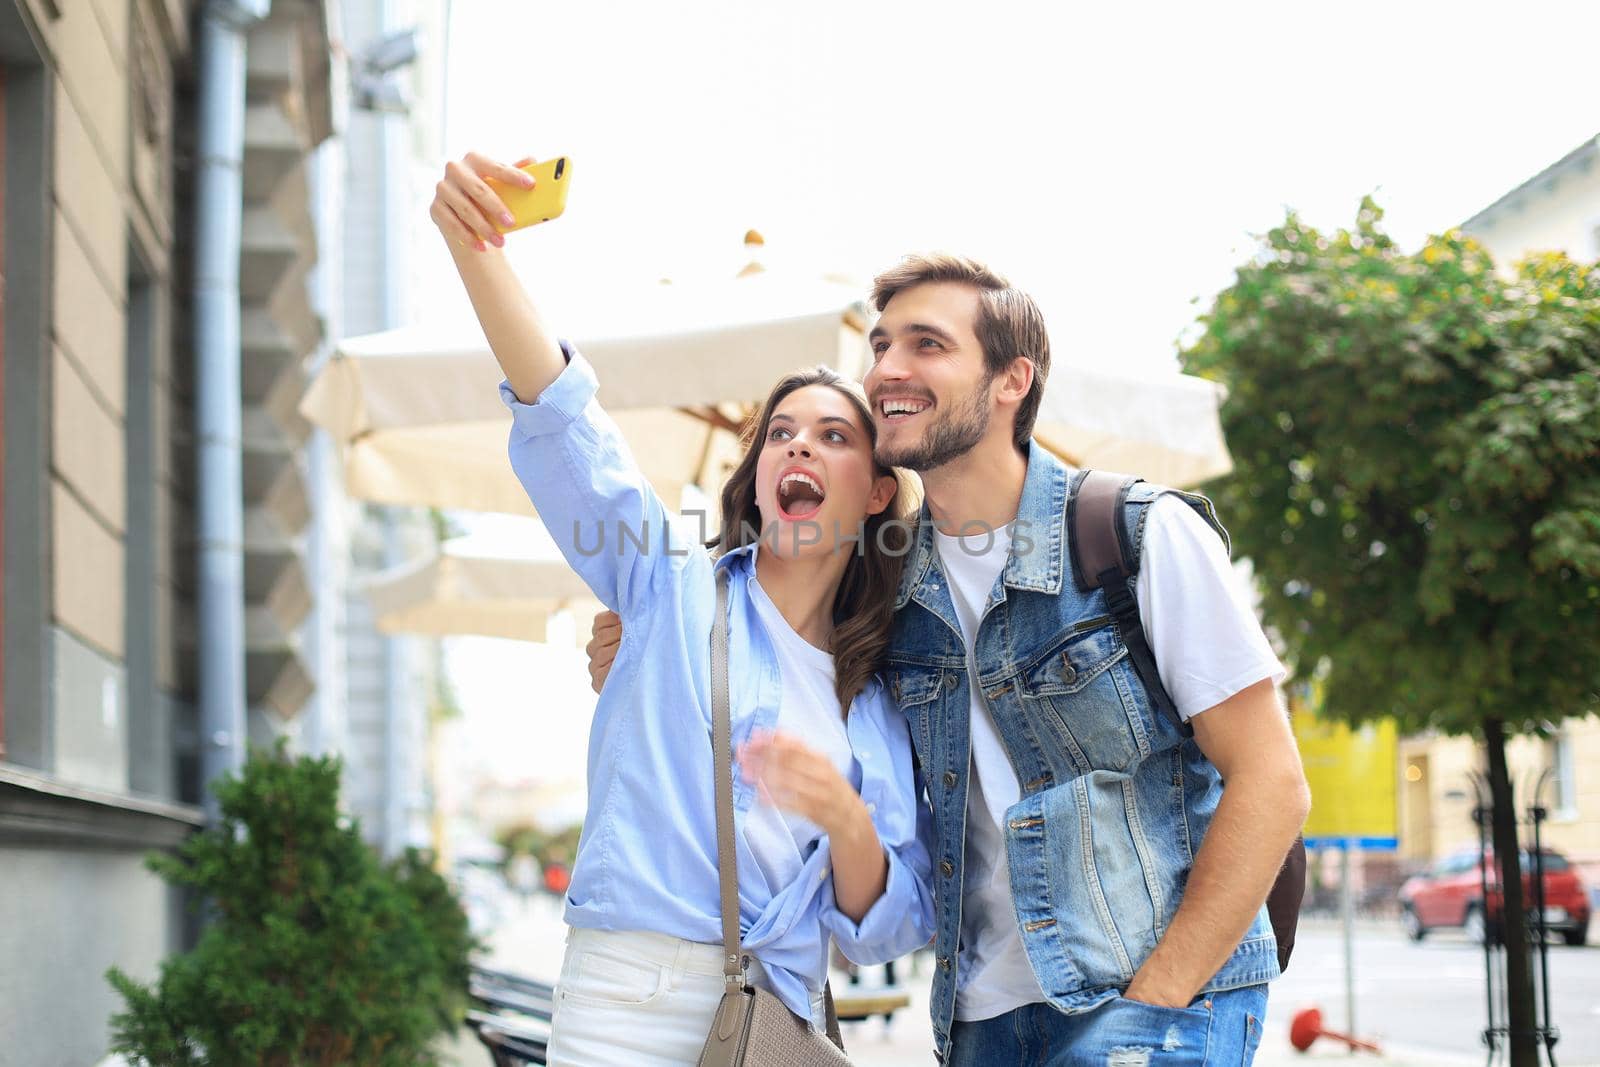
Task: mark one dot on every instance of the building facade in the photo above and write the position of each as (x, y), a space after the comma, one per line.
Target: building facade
(100, 747)
(392, 151)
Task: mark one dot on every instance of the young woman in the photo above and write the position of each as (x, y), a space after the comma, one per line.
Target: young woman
(830, 832)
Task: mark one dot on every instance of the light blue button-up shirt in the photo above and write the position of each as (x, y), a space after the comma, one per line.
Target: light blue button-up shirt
(648, 856)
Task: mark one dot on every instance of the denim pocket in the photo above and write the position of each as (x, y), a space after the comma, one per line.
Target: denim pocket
(1239, 1016)
(915, 688)
(1134, 1034)
(1252, 1039)
(1075, 691)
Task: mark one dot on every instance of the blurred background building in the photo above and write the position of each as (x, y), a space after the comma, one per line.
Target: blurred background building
(102, 744)
(381, 173)
(105, 737)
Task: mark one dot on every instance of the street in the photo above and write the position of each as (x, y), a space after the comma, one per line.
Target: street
(1428, 997)
(1422, 1003)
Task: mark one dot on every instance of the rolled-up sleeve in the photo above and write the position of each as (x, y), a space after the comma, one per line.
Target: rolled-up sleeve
(901, 920)
(581, 476)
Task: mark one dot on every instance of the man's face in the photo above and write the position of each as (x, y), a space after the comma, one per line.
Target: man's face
(928, 385)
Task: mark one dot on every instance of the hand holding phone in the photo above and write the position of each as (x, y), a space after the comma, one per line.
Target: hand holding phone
(481, 200)
(545, 200)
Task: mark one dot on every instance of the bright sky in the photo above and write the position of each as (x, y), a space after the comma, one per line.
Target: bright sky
(1113, 159)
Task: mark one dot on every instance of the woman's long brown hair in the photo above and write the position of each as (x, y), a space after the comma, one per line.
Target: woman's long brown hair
(864, 605)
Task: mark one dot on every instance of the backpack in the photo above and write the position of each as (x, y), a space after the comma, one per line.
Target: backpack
(1102, 558)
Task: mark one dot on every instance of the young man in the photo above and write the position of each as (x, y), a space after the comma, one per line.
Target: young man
(1099, 893)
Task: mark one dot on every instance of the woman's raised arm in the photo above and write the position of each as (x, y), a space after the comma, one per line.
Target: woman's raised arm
(466, 209)
(569, 455)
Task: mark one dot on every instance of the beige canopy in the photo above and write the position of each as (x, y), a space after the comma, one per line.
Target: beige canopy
(417, 415)
(452, 593)
(420, 421)
(1163, 427)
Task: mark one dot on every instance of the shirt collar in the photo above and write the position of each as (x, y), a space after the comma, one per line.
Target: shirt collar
(738, 560)
(1038, 540)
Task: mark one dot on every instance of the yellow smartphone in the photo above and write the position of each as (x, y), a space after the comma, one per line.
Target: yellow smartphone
(545, 201)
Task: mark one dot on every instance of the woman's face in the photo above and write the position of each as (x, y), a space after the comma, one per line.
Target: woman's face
(815, 479)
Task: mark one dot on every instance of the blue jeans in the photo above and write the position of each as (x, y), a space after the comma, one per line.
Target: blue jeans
(1220, 1030)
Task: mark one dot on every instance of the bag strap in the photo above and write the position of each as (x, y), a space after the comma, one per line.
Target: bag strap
(733, 959)
(733, 965)
(1097, 540)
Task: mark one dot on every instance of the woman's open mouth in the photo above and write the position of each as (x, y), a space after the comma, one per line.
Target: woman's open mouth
(800, 495)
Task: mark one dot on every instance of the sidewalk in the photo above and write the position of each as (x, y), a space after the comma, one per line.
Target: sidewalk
(531, 941)
(1277, 1052)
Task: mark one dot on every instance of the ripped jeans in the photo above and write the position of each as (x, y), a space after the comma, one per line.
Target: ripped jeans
(1217, 1030)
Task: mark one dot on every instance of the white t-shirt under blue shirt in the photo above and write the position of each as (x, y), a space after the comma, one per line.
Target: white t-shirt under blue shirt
(1208, 646)
(809, 711)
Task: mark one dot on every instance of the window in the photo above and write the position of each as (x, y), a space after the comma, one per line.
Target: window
(1554, 862)
(25, 520)
(1562, 791)
(150, 753)
(2, 408)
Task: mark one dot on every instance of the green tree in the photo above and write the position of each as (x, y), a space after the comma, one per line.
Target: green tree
(1416, 442)
(545, 846)
(316, 953)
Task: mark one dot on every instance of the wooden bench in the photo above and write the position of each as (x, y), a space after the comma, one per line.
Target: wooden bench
(535, 1005)
(490, 976)
(515, 1028)
(858, 1007)
(510, 1043)
(858, 1000)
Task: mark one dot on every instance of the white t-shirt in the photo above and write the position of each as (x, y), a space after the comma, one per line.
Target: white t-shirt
(1208, 646)
(809, 710)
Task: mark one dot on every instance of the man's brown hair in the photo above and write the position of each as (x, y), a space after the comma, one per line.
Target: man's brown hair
(1009, 323)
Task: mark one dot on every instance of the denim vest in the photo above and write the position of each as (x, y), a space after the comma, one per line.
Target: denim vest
(1115, 800)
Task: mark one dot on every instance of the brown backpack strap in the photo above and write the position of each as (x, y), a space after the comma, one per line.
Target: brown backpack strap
(1102, 559)
(1094, 512)
(1283, 901)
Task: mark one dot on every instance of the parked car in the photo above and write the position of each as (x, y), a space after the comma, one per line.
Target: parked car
(1451, 895)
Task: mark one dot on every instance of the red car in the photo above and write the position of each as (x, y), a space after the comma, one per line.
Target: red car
(1452, 895)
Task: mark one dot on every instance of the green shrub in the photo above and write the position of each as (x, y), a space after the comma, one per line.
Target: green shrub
(316, 953)
(450, 937)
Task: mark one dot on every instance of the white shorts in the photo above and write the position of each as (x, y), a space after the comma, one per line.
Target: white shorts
(637, 1000)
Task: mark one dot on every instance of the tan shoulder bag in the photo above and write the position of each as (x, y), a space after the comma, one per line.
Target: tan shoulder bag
(752, 1027)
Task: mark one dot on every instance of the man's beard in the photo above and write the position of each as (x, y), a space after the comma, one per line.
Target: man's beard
(950, 437)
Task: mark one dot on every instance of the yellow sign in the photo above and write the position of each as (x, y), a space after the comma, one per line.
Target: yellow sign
(1353, 775)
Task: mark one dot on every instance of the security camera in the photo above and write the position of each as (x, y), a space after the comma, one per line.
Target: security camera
(375, 93)
(390, 53)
